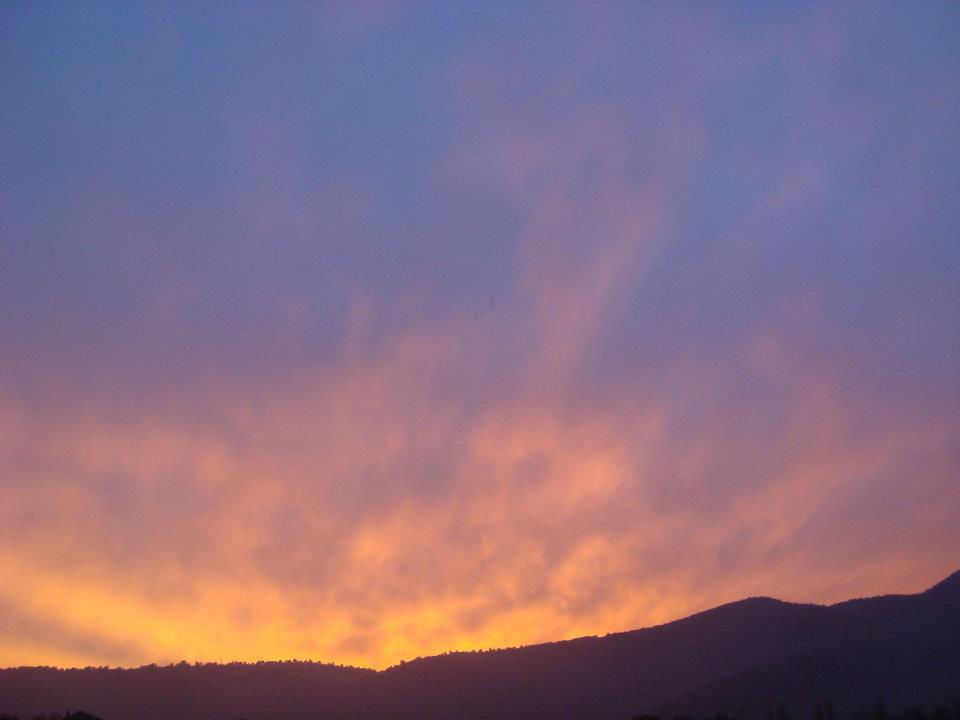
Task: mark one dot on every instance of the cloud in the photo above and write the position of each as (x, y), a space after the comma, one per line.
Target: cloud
(642, 328)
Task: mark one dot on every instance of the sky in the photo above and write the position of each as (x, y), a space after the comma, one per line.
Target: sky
(359, 332)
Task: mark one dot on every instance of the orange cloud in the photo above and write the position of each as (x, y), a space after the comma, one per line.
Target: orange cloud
(548, 467)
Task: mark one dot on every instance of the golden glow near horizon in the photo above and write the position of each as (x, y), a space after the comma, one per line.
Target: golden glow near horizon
(552, 525)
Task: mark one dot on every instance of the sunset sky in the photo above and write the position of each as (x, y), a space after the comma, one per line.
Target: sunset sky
(359, 331)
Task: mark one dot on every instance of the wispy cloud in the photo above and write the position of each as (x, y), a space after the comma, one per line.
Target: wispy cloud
(368, 347)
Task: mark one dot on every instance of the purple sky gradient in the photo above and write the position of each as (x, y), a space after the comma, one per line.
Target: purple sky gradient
(361, 332)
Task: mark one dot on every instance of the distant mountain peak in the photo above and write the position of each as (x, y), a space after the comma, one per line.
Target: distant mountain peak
(949, 584)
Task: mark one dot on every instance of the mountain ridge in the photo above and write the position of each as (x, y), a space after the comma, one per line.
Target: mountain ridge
(749, 654)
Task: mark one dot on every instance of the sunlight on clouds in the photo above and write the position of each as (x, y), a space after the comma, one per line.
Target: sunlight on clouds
(638, 333)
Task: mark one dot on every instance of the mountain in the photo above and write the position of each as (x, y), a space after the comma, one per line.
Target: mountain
(904, 649)
(743, 658)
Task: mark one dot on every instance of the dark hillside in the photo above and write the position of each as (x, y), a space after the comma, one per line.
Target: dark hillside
(743, 657)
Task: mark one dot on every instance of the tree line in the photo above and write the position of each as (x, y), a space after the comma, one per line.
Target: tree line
(824, 710)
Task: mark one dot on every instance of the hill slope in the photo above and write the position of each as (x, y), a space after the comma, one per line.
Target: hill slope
(747, 656)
